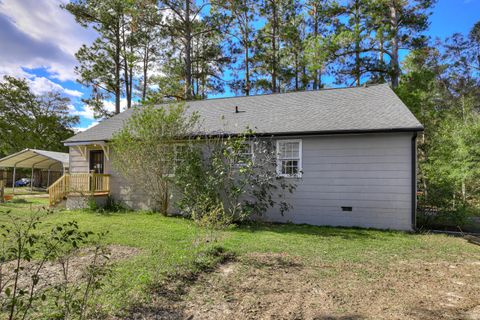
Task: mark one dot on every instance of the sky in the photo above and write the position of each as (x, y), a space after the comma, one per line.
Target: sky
(38, 41)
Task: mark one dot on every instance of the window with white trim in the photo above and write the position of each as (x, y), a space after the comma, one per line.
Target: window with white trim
(289, 158)
(245, 154)
(180, 151)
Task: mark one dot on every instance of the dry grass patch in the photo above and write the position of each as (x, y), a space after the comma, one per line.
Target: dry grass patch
(51, 272)
(280, 286)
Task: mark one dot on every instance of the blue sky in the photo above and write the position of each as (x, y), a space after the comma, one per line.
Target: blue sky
(38, 41)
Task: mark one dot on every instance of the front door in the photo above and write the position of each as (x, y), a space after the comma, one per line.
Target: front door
(96, 161)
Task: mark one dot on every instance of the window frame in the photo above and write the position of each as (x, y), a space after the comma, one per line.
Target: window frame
(175, 159)
(279, 160)
(251, 154)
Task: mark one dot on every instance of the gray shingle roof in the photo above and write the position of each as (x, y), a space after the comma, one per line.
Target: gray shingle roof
(362, 109)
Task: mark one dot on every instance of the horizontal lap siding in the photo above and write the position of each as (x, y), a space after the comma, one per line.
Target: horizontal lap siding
(370, 173)
(78, 164)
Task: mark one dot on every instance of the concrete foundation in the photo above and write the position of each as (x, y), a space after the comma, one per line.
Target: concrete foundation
(75, 202)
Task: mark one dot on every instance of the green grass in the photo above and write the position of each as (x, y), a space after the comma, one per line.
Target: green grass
(25, 191)
(168, 246)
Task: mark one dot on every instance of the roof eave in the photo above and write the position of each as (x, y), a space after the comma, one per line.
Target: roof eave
(293, 133)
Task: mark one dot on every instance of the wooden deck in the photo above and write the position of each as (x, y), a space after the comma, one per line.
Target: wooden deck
(84, 184)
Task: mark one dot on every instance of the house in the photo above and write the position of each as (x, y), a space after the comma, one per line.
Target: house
(355, 149)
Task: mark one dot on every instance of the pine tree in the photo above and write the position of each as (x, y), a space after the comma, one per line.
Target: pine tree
(292, 58)
(403, 22)
(267, 46)
(185, 24)
(240, 38)
(318, 20)
(100, 64)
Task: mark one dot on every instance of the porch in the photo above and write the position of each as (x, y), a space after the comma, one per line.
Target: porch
(79, 184)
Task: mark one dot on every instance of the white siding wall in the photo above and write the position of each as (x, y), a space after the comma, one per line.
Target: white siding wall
(370, 173)
(78, 164)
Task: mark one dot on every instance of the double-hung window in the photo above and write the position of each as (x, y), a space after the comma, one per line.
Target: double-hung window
(180, 151)
(289, 158)
(177, 152)
(245, 154)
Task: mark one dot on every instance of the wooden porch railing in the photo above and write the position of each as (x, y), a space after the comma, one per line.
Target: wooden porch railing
(79, 183)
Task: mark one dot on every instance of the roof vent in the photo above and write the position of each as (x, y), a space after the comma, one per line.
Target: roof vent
(237, 111)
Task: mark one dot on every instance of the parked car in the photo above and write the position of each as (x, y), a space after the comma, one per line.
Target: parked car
(22, 182)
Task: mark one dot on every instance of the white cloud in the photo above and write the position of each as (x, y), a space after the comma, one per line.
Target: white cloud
(73, 93)
(110, 105)
(85, 112)
(80, 129)
(41, 85)
(39, 34)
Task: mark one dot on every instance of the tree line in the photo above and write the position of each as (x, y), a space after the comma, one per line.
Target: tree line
(441, 86)
(150, 50)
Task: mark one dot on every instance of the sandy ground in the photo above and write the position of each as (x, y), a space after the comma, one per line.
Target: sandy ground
(278, 286)
(52, 272)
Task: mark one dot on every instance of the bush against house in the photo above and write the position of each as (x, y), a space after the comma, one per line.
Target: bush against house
(144, 150)
(162, 152)
(232, 176)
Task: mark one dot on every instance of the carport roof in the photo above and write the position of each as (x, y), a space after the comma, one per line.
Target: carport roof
(39, 159)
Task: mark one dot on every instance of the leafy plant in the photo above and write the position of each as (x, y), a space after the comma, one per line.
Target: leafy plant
(228, 178)
(24, 253)
(147, 148)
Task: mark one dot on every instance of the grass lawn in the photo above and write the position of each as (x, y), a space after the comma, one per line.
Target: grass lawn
(26, 191)
(280, 271)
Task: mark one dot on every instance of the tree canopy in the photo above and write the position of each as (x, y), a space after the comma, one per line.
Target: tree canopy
(32, 121)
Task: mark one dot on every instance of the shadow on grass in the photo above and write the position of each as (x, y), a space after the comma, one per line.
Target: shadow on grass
(348, 233)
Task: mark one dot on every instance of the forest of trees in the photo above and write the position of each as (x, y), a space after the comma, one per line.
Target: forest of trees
(183, 49)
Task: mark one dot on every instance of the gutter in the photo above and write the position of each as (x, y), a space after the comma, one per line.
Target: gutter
(414, 181)
(282, 134)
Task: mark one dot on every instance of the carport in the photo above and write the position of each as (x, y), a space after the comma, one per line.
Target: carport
(36, 159)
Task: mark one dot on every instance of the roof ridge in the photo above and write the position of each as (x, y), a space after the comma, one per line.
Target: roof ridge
(364, 86)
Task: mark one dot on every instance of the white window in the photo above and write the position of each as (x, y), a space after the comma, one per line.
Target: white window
(173, 163)
(245, 154)
(180, 151)
(289, 158)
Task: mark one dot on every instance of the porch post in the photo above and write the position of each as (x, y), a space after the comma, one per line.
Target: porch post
(13, 178)
(31, 179)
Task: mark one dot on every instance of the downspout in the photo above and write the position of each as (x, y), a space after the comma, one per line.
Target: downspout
(414, 181)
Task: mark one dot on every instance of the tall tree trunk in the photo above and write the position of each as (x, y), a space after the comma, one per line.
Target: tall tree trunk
(246, 47)
(394, 63)
(357, 44)
(247, 72)
(188, 52)
(296, 71)
(315, 32)
(274, 47)
(127, 69)
(146, 57)
(117, 68)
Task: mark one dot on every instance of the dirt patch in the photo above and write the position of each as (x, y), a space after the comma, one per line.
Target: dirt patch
(52, 273)
(278, 286)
